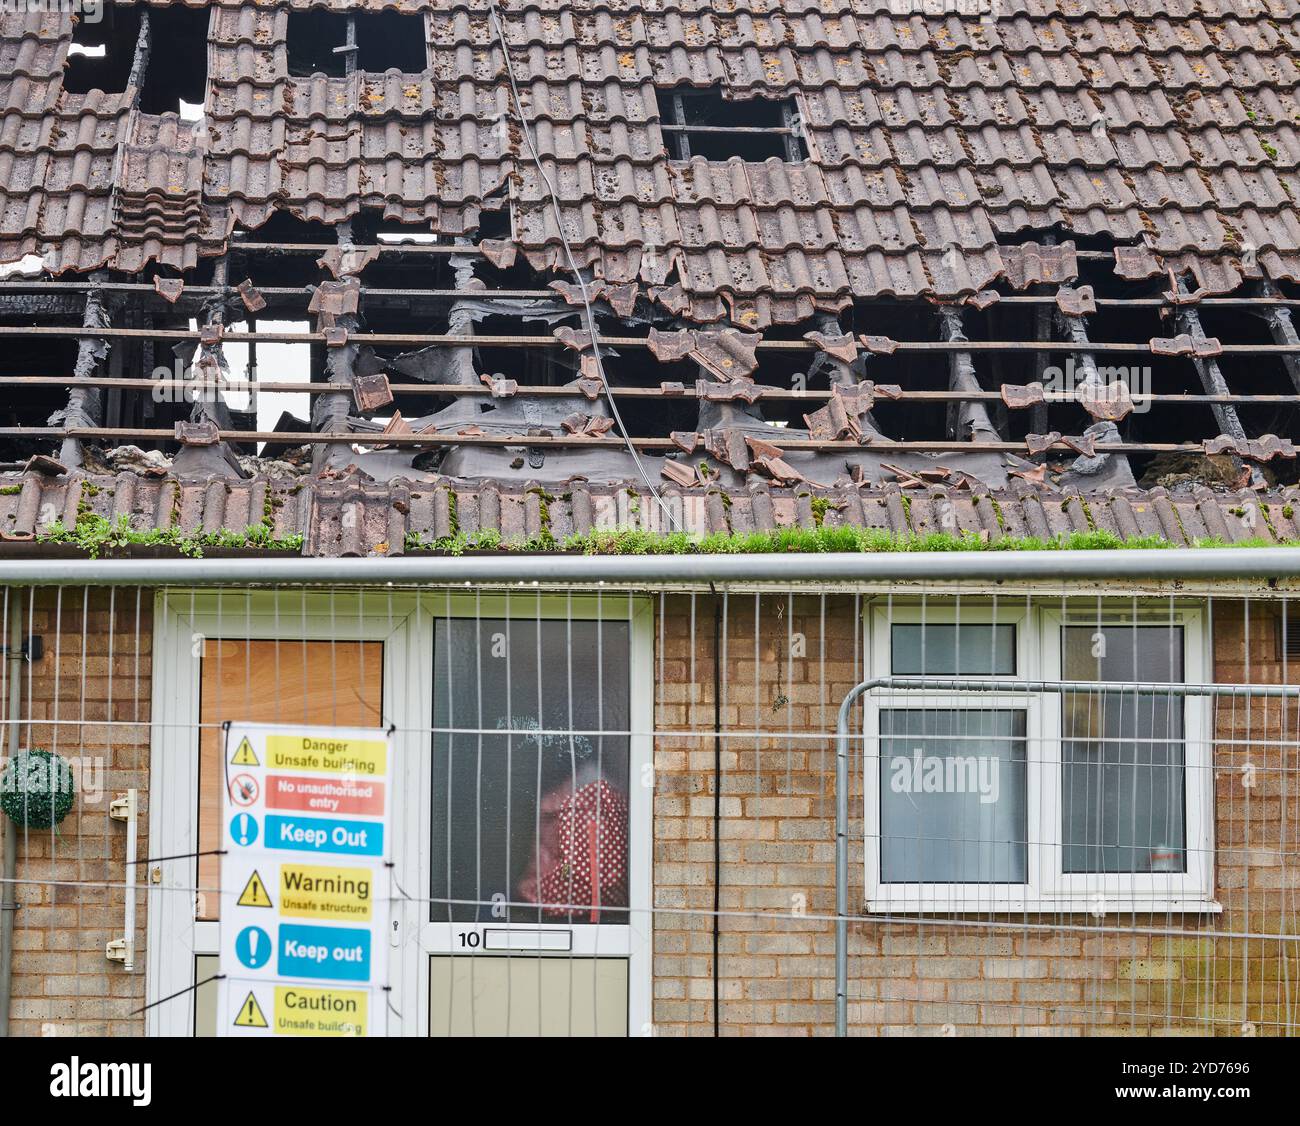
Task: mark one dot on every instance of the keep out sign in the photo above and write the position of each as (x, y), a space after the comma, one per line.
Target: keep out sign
(304, 884)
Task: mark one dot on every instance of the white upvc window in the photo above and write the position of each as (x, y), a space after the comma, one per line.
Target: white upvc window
(987, 793)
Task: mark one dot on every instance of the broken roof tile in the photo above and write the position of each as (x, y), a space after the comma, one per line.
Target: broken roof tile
(1017, 396)
(843, 347)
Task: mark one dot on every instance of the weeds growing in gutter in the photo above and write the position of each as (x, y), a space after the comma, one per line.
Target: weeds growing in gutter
(796, 541)
(97, 536)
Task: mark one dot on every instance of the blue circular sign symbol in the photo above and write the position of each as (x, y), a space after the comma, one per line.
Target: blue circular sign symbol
(253, 947)
(243, 829)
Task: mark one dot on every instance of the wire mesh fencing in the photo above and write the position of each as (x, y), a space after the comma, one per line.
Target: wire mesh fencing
(1067, 812)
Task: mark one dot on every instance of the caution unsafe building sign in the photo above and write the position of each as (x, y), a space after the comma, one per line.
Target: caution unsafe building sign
(304, 881)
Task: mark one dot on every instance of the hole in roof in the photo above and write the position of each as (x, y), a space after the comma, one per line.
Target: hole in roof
(703, 123)
(45, 355)
(176, 77)
(286, 228)
(383, 40)
(28, 266)
(271, 362)
(369, 226)
(103, 51)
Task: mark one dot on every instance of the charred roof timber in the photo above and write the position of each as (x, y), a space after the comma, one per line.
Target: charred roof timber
(715, 269)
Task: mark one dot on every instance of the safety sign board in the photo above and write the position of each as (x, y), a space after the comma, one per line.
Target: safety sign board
(304, 881)
(301, 1011)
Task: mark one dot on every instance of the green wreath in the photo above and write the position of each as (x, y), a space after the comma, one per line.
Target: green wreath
(37, 789)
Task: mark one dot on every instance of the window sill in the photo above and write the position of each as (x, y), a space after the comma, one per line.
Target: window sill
(1042, 905)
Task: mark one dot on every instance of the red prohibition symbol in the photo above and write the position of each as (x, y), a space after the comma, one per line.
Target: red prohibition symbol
(243, 789)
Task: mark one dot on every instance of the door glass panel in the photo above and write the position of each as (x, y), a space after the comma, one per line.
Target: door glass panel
(337, 683)
(205, 996)
(530, 785)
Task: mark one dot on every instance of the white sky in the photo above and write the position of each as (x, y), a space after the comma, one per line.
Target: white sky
(276, 363)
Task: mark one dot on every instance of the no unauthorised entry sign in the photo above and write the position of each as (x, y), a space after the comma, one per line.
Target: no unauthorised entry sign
(304, 881)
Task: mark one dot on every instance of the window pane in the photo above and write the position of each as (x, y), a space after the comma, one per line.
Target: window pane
(953, 796)
(1122, 800)
(929, 649)
(530, 819)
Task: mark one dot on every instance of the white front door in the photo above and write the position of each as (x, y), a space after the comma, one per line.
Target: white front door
(526, 821)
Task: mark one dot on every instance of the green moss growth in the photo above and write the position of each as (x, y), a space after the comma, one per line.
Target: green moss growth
(453, 511)
(1266, 514)
(544, 506)
(11, 490)
(820, 506)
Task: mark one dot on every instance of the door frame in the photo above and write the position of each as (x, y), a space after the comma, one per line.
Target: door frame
(634, 941)
(184, 621)
(403, 622)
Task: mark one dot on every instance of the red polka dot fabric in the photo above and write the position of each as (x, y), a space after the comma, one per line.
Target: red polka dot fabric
(587, 855)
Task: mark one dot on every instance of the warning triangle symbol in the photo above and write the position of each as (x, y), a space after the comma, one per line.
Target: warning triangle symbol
(250, 1014)
(254, 893)
(245, 755)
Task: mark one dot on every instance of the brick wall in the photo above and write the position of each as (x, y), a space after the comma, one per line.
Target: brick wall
(776, 971)
(96, 669)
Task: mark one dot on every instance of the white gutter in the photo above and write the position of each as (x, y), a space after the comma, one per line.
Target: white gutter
(1140, 565)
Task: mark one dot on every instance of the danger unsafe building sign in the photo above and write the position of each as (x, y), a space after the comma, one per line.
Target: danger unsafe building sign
(304, 881)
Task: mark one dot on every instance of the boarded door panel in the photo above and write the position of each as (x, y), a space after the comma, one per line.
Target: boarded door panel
(317, 682)
(527, 996)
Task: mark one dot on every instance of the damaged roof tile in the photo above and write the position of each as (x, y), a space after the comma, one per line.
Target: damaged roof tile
(351, 516)
(933, 141)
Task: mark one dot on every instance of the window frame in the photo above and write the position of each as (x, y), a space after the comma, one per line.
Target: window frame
(945, 897)
(1038, 648)
(1191, 890)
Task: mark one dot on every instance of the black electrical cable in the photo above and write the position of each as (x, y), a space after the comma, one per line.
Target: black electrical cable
(527, 127)
(717, 799)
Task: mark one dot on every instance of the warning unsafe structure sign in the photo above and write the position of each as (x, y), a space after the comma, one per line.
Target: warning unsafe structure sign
(304, 881)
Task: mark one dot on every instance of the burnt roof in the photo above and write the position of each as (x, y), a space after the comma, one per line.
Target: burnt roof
(991, 189)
